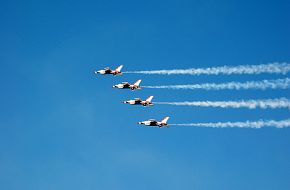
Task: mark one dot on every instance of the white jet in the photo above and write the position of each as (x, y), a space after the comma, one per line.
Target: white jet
(125, 85)
(108, 71)
(153, 122)
(138, 101)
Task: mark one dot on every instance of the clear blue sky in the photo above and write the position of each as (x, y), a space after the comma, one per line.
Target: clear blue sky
(62, 127)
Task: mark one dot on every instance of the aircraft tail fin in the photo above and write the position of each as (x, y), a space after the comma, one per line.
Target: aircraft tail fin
(149, 99)
(137, 83)
(165, 120)
(119, 68)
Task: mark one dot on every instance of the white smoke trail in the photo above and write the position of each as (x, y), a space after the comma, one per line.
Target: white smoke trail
(245, 124)
(251, 104)
(271, 68)
(261, 85)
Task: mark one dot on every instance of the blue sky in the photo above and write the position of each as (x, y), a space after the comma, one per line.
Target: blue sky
(62, 127)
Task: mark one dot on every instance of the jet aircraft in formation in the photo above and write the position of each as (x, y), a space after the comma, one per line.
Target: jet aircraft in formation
(107, 71)
(153, 122)
(124, 85)
(138, 101)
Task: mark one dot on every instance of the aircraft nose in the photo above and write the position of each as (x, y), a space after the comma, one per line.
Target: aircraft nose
(125, 102)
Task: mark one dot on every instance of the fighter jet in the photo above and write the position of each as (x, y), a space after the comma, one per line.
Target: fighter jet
(138, 101)
(153, 122)
(107, 71)
(124, 85)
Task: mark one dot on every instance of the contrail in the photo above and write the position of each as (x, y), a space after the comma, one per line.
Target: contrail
(271, 68)
(245, 124)
(259, 85)
(251, 104)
